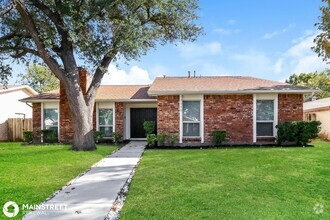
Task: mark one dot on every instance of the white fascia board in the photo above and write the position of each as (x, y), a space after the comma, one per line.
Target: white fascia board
(40, 100)
(211, 92)
(126, 100)
(97, 100)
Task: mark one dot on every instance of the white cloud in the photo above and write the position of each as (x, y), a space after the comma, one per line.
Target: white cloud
(194, 50)
(224, 31)
(135, 76)
(231, 21)
(300, 58)
(270, 35)
(278, 66)
(278, 32)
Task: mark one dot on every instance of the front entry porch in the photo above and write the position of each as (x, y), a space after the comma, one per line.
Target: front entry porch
(135, 115)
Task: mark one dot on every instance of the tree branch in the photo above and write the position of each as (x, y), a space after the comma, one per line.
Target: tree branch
(23, 49)
(13, 35)
(98, 75)
(57, 20)
(43, 52)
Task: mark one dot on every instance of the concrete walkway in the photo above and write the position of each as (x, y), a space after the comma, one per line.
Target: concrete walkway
(91, 195)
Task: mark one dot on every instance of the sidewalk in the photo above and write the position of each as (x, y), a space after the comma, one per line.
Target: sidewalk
(91, 195)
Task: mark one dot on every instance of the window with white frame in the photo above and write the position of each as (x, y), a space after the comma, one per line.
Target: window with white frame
(50, 119)
(191, 118)
(265, 118)
(106, 121)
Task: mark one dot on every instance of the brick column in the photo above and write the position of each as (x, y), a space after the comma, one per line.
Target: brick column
(36, 123)
(119, 117)
(168, 115)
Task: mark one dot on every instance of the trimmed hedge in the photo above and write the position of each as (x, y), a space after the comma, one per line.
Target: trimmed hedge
(218, 137)
(49, 136)
(300, 132)
(28, 136)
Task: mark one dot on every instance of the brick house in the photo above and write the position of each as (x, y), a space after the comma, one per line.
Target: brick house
(247, 108)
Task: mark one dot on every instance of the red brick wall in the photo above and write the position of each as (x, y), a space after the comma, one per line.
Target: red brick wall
(232, 113)
(66, 128)
(168, 115)
(36, 124)
(290, 107)
(119, 117)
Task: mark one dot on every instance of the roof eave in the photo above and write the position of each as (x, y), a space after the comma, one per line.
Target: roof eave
(28, 88)
(97, 100)
(209, 92)
(126, 100)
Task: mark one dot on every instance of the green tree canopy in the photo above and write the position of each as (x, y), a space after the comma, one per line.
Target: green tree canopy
(40, 78)
(57, 32)
(316, 80)
(322, 40)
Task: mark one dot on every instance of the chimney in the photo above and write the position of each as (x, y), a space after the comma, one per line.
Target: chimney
(66, 131)
(84, 78)
(194, 73)
(188, 74)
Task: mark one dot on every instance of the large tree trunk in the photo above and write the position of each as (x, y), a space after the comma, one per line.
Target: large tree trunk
(82, 116)
(82, 120)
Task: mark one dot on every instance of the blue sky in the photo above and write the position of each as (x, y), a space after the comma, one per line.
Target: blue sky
(266, 39)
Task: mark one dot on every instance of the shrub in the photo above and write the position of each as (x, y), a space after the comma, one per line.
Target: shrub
(117, 137)
(49, 136)
(28, 136)
(218, 137)
(300, 132)
(149, 127)
(172, 138)
(151, 140)
(161, 138)
(98, 135)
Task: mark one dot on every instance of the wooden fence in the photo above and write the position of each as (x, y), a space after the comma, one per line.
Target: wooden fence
(16, 126)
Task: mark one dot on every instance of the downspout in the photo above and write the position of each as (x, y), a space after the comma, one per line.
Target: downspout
(28, 105)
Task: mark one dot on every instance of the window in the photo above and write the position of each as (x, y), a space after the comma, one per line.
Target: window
(50, 119)
(265, 118)
(106, 122)
(191, 118)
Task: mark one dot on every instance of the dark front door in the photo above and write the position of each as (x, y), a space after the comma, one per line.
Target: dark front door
(138, 117)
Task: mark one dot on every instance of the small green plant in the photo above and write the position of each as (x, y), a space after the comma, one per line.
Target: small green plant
(49, 136)
(161, 138)
(151, 140)
(98, 135)
(28, 136)
(218, 137)
(300, 132)
(117, 137)
(149, 127)
(172, 138)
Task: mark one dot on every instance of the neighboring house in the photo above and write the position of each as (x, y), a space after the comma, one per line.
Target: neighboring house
(319, 110)
(247, 108)
(10, 105)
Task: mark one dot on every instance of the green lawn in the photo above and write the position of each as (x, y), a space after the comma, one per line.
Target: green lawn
(30, 174)
(237, 183)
